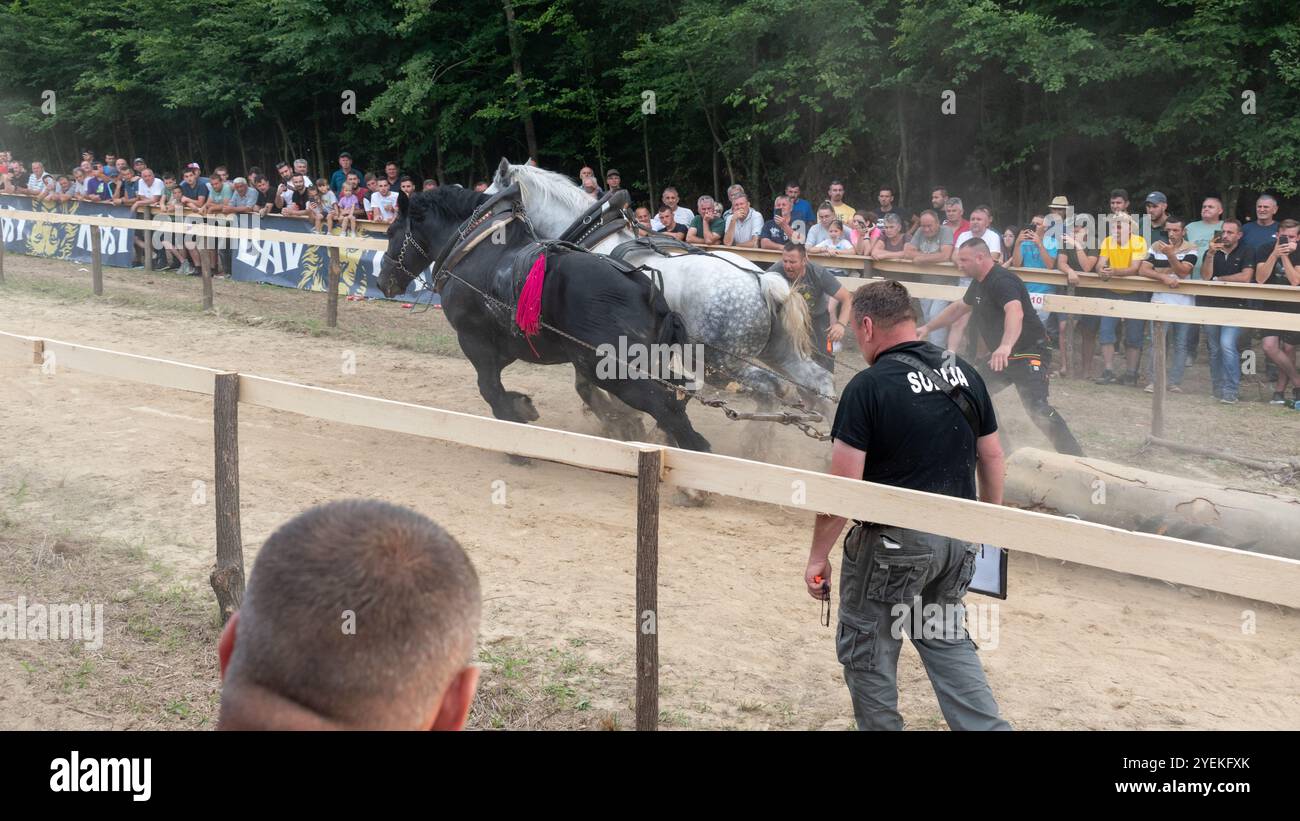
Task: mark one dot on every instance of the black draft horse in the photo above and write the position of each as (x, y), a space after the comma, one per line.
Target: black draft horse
(584, 295)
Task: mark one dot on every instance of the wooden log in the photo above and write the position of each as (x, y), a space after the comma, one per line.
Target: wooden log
(1239, 572)
(227, 578)
(1158, 376)
(649, 465)
(332, 300)
(96, 263)
(1146, 501)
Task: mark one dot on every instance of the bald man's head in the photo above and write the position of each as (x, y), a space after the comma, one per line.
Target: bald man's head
(358, 614)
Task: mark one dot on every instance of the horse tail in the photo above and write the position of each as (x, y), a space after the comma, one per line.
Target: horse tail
(672, 330)
(795, 317)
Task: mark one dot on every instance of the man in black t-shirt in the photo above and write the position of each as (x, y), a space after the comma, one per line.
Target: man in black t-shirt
(1010, 326)
(1230, 260)
(896, 425)
(669, 224)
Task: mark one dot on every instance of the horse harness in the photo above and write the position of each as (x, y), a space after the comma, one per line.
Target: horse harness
(606, 217)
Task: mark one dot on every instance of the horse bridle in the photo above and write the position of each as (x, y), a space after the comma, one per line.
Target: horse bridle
(471, 232)
(400, 261)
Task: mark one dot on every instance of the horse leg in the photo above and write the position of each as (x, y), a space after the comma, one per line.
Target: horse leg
(488, 363)
(617, 420)
(662, 404)
(510, 406)
(670, 413)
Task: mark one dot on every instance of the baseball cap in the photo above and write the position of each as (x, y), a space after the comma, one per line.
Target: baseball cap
(613, 172)
(1157, 197)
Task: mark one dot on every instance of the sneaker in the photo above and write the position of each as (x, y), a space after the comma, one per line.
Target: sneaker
(1149, 389)
(186, 268)
(1130, 378)
(1174, 389)
(1228, 400)
(1107, 378)
(1278, 398)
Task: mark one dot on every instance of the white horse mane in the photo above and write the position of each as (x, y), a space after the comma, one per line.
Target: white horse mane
(550, 194)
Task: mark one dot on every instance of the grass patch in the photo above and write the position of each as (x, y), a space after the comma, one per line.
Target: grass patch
(156, 667)
(556, 688)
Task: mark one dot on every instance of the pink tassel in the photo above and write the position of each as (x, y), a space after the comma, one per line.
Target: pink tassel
(528, 314)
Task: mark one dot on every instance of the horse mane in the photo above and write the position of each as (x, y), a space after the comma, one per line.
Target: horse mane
(448, 202)
(550, 187)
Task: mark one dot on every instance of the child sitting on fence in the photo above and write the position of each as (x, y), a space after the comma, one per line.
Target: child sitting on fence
(344, 212)
(835, 245)
(323, 204)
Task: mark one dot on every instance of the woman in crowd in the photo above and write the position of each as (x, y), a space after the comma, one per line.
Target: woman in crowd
(890, 244)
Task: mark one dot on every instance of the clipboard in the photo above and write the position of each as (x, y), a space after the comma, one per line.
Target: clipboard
(990, 577)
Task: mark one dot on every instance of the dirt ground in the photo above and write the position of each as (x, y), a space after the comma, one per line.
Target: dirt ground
(104, 497)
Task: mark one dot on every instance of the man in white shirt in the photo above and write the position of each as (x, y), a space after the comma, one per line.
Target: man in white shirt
(980, 221)
(681, 215)
(38, 181)
(744, 226)
(149, 191)
(382, 206)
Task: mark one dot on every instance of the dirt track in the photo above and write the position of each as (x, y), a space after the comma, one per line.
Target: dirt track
(739, 639)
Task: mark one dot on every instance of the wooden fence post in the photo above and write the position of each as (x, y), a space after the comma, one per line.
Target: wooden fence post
(147, 213)
(1067, 343)
(332, 300)
(2, 256)
(206, 271)
(1158, 368)
(96, 262)
(227, 577)
(38, 351)
(649, 466)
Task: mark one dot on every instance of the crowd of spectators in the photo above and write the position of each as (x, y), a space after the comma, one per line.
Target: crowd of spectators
(1158, 245)
(348, 195)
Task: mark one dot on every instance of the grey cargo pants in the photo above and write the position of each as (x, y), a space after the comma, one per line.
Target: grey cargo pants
(888, 573)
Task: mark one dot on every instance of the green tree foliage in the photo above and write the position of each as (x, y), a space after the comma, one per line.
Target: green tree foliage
(1050, 97)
